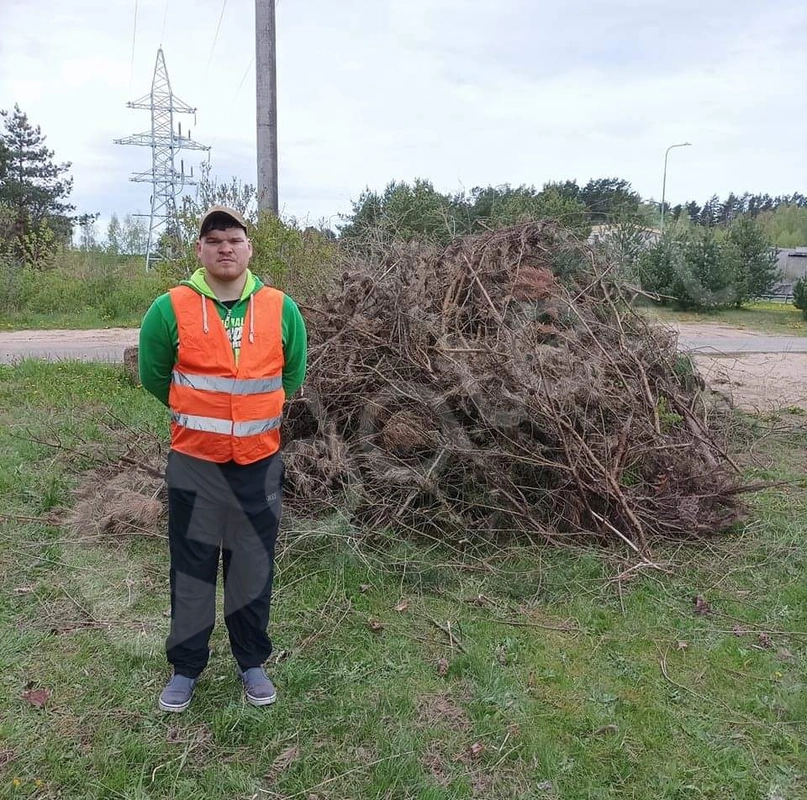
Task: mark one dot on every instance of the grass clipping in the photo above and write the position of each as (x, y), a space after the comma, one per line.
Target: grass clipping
(124, 496)
(502, 385)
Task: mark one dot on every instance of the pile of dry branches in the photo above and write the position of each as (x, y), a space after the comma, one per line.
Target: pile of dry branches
(502, 385)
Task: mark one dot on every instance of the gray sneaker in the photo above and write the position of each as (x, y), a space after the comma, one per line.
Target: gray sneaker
(178, 693)
(259, 689)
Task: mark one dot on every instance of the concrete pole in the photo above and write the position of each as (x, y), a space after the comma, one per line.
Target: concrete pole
(266, 86)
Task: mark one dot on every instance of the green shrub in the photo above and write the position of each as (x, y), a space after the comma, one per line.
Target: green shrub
(800, 296)
(108, 286)
(10, 280)
(757, 271)
(299, 262)
(702, 268)
(659, 265)
(706, 275)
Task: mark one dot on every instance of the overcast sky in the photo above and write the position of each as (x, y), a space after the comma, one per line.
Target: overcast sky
(463, 92)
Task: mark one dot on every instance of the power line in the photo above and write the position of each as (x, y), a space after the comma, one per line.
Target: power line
(134, 39)
(215, 39)
(165, 18)
(246, 72)
(235, 96)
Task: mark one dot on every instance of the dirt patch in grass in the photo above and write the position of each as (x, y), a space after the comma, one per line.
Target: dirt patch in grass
(197, 741)
(434, 763)
(440, 710)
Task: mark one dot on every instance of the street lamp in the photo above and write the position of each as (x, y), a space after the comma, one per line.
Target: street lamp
(664, 182)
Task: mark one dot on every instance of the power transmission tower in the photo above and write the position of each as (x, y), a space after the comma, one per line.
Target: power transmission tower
(167, 182)
(266, 105)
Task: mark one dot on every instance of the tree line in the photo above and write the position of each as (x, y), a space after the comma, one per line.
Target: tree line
(716, 253)
(404, 210)
(721, 212)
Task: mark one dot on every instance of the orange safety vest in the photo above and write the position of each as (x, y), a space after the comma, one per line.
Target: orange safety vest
(223, 411)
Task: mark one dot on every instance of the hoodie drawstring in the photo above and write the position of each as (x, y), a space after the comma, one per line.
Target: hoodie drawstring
(206, 328)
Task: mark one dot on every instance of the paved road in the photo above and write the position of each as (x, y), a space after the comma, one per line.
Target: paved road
(758, 371)
(101, 345)
(719, 340)
(109, 344)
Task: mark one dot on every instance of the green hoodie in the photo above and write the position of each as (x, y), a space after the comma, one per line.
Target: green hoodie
(159, 338)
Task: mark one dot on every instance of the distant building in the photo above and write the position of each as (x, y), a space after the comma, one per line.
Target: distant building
(601, 234)
(792, 263)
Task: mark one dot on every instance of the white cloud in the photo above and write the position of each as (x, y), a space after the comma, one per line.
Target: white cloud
(465, 92)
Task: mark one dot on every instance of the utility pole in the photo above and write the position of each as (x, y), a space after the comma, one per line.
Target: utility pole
(266, 86)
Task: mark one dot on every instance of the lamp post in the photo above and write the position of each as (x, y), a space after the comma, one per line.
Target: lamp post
(664, 182)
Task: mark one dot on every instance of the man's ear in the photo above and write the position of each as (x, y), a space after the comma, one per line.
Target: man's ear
(198, 247)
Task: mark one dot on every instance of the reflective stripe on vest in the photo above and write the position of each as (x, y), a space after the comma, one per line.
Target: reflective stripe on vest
(240, 386)
(256, 426)
(226, 426)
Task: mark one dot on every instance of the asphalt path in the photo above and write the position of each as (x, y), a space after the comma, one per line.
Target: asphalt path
(721, 340)
(62, 345)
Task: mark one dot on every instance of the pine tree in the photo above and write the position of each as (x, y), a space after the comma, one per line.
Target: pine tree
(705, 279)
(32, 185)
(730, 209)
(693, 210)
(710, 212)
(610, 200)
(756, 259)
(800, 296)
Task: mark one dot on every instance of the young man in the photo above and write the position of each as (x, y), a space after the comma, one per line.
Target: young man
(222, 351)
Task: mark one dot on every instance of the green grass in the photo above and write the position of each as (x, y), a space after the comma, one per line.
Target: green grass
(557, 681)
(84, 319)
(779, 318)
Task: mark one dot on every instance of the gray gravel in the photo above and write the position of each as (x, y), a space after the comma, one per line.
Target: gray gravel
(61, 345)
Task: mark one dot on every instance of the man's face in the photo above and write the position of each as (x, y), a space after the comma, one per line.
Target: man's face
(224, 254)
